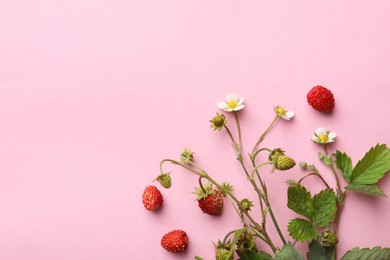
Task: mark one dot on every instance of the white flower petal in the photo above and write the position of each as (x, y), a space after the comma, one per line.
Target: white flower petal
(290, 114)
(238, 107)
(332, 135)
(314, 138)
(222, 105)
(321, 131)
(232, 97)
(240, 101)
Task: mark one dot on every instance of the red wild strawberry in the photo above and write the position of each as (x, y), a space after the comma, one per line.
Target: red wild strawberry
(175, 241)
(152, 198)
(321, 99)
(210, 200)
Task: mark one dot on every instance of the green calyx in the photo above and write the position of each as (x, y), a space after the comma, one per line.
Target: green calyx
(328, 238)
(245, 205)
(187, 156)
(246, 243)
(218, 122)
(274, 154)
(204, 191)
(165, 180)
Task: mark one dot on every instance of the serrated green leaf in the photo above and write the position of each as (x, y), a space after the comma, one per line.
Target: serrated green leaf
(288, 252)
(302, 230)
(318, 252)
(324, 207)
(252, 255)
(373, 166)
(367, 189)
(376, 253)
(344, 165)
(299, 200)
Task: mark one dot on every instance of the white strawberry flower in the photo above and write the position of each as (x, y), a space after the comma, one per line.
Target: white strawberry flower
(322, 136)
(283, 113)
(232, 103)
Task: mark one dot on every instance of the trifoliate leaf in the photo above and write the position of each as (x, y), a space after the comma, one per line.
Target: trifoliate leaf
(376, 253)
(288, 252)
(367, 189)
(344, 165)
(299, 200)
(373, 166)
(302, 230)
(318, 252)
(324, 207)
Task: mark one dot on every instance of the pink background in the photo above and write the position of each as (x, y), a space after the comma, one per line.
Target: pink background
(93, 94)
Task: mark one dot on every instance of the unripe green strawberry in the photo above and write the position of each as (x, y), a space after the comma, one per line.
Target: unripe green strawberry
(222, 254)
(284, 162)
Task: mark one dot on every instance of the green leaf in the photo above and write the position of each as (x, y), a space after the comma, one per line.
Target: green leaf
(318, 252)
(252, 255)
(299, 200)
(373, 166)
(367, 189)
(288, 252)
(344, 165)
(367, 254)
(302, 230)
(324, 207)
(198, 258)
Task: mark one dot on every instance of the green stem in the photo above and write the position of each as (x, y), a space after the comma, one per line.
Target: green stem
(339, 191)
(238, 129)
(253, 157)
(316, 174)
(261, 138)
(268, 204)
(258, 166)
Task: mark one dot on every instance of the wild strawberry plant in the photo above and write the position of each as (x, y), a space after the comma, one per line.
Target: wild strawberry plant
(319, 213)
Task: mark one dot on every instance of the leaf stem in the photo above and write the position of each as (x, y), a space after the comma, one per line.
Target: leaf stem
(316, 174)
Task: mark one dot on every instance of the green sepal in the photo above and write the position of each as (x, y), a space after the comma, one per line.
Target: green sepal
(324, 207)
(203, 193)
(300, 201)
(302, 230)
(367, 254)
(198, 258)
(288, 252)
(318, 252)
(367, 189)
(373, 166)
(344, 165)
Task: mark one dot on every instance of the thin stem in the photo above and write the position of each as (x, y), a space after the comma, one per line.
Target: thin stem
(261, 138)
(227, 235)
(339, 191)
(201, 185)
(230, 134)
(238, 129)
(316, 174)
(258, 166)
(253, 157)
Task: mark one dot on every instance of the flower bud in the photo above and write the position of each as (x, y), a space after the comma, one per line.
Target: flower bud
(303, 165)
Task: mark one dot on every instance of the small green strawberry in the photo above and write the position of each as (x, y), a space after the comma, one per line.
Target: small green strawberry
(284, 162)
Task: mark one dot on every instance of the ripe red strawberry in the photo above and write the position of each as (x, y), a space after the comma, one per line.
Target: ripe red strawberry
(175, 241)
(321, 99)
(212, 204)
(152, 198)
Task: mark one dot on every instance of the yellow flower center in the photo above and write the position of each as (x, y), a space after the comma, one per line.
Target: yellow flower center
(323, 138)
(280, 111)
(232, 104)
